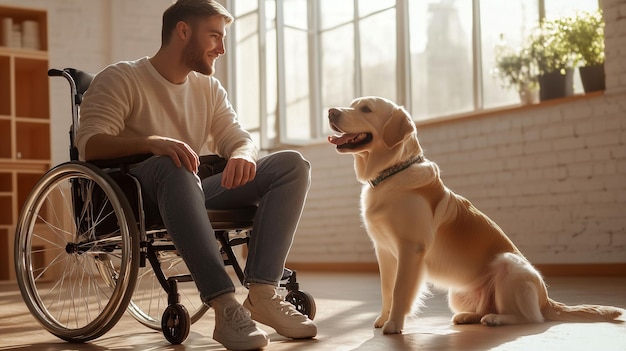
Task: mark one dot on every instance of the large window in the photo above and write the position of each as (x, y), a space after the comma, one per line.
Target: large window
(290, 60)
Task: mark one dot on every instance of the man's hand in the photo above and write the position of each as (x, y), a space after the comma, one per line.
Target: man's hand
(238, 172)
(179, 152)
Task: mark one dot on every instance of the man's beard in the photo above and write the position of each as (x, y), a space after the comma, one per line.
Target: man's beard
(195, 58)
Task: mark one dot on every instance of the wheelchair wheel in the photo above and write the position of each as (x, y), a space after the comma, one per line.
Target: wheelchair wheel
(76, 256)
(150, 299)
(303, 302)
(175, 323)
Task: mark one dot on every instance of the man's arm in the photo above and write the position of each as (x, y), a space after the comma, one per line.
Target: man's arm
(104, 146)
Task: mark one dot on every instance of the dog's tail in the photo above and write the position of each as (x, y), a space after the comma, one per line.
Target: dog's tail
(556, 311)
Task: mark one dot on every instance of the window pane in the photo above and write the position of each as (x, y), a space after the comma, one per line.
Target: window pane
(247, 83)
(558, 8)
(297, 95)
(367, 7)
(378, 54)
(295, 13)
(244, 6)
(441, 57)
(336, 12)
(504, 26)
(337, 69)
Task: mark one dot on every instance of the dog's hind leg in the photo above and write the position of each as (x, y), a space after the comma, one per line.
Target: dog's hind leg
(518, 291)
(408, 281)
(522, 308)
(469, 307)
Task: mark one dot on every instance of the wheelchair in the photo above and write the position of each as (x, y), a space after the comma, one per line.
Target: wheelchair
(86, 251)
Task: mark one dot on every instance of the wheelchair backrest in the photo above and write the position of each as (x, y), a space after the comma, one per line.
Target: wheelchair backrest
(79, 83)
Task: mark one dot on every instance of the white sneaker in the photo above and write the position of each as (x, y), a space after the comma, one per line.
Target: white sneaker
(275, 312)
(237, 331)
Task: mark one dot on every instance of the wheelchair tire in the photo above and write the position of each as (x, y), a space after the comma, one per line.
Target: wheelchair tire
(303, 302)
(65, 244)
(150, 299)
(175, 323)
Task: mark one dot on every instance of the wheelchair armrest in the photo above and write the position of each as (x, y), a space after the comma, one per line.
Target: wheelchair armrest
(209, 164)
(120, 162)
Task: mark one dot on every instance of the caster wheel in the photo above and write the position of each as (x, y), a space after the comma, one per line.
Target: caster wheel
(175, 323)
(303, 302)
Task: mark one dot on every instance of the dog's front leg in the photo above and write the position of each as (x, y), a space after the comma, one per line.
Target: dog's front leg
(387, 265)
(408, 280)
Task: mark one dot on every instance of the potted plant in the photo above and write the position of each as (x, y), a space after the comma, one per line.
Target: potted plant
(513, 67)
(586, 38)
(552, 56)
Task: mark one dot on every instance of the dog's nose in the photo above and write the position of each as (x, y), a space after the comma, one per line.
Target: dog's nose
(333, 113)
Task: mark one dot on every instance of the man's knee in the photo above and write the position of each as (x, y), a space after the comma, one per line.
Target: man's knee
(293, 161)
(165, 170)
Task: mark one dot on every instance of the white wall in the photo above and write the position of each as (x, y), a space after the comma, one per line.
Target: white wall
(552, 176)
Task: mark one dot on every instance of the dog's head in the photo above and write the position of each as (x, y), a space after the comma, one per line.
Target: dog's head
(377, 131)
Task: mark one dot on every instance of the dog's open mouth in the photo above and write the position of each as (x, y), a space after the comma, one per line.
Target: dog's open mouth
(350, 140)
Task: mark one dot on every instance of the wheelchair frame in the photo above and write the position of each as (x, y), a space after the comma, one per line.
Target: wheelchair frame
(101, 252)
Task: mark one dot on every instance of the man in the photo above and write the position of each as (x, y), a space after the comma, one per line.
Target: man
(169, 105)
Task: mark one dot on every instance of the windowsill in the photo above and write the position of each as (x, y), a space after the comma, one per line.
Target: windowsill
(465, 116)
(506, 109)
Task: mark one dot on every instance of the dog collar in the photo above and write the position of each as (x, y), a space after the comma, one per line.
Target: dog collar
(388, 172)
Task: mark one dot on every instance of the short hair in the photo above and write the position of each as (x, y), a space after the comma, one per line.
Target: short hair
(188, 11)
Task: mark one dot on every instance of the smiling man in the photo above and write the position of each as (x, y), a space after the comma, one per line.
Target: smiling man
(171, 106)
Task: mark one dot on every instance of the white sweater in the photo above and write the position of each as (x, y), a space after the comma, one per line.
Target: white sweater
(131, 99)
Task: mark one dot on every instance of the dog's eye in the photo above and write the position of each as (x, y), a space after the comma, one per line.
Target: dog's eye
(365, 109)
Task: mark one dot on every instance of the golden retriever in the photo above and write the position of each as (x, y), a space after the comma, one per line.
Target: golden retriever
(422, 231)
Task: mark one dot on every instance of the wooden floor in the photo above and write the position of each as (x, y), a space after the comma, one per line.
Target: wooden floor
(346, 307)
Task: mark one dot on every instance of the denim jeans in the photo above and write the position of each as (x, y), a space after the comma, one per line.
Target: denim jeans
(279, 189)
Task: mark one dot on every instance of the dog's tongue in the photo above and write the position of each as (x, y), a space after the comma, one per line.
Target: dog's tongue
(341, 139)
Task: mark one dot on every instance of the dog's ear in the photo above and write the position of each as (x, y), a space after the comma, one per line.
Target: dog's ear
(398, 127)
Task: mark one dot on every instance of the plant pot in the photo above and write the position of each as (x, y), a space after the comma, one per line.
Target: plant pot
(528, 94)
(555, 85)
(592, 77)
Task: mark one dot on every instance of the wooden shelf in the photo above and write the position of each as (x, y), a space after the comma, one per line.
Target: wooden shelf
(24, 126)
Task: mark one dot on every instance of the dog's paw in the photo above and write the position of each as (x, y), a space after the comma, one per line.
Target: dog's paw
(392, 327)
(380, 321)
(491, 320)
(466, 318)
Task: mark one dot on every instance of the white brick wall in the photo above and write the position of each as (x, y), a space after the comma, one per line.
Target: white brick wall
(552, 176)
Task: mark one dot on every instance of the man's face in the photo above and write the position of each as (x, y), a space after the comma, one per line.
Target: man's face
(205, 45)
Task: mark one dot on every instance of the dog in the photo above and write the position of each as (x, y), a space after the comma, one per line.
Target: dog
(424, 232)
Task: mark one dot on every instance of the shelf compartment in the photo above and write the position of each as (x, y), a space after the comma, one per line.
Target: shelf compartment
(31, 79)
(25, 183)
(5, 85)
(33, 141)
(4, 253)
(20, 15)
(5, 138)
(6, 182)
(6, 214)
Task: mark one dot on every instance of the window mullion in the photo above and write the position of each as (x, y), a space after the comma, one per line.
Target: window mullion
(403, 54)
(314, 42)
(477, 57)
(281, 109)
(263, 127)
(358, 84)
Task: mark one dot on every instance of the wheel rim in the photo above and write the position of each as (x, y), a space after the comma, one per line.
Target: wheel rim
(60, 263)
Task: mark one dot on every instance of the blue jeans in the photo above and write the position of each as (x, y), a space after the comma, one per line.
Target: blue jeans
(279, 189)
